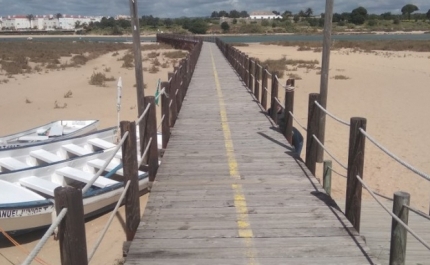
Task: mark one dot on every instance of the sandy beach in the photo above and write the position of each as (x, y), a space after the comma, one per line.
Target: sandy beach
(28, 100)
(390, 90)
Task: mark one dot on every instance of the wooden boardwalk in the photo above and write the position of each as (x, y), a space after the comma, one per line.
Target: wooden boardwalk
(229, 191)
(376, 229)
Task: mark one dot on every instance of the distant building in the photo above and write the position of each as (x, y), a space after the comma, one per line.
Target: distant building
(125, 17)
(263, 15)
(45, 22)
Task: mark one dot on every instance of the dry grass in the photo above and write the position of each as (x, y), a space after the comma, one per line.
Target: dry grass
(152, 55)
(153, 69)
(175, 54)
(57, 106)
(156, 62)
(340, 77)
(239, 44)
(366, 46)
(68, 94)
(156, 46)
(274, 65)
(15, 56)
(294, 76)
(99, 79)
(128, 59)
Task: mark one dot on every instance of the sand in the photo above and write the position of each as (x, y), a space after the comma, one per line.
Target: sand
(390, 90)
(87, 102)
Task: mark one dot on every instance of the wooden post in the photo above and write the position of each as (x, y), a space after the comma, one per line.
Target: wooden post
(273, 95)
(355, 167)
(138, 70)
(325, 67)
(311, 144)
(246, 71)
(176, 96)
(71, 231)
(172, 99)
(289, 107)
(151, 132)
(264, 88)
(327, 176)
(243, 67)
(257, 73)
(250, 74)
(165, 127)
(129, 160)
(398, 232)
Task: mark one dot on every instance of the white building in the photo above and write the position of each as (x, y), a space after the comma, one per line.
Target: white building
(45, 22)
(263, 15)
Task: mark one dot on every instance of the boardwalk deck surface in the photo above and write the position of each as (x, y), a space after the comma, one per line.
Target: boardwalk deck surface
(230, 192)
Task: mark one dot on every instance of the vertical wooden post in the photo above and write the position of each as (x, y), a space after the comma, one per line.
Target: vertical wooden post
(311, 144)
(177, 89)
(355, 167)
(257, 73)
(71, 231)
(327, 176)
(138, 70)
(274, 105)
(289, 107)
(264, 88)
(243, 67)
(325, 67)
(129, 160)
(246, 79)
(398, 232)
(165, 127)
(250, 74)
(151, 132)
(172, 101)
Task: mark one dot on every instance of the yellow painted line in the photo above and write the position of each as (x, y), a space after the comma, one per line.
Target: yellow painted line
(243, 225)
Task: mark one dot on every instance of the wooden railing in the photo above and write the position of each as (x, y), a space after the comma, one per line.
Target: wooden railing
(255, 77)
(69, 200)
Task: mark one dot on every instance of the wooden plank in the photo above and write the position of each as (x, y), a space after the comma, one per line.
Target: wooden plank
(193, 213)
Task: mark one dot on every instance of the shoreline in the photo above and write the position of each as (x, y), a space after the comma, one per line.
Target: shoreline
(219, 35)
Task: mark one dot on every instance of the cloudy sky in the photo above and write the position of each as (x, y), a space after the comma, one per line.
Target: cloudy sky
(193, 8)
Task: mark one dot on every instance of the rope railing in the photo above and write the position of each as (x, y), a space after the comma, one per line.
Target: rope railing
(386, 151)
(328, 152)
(145, 152)
(143, 114)
(420, 213)
(331, 115)
(422, 241)
(45, 237)
(294, 118)
(337, 173)
(267, 71)
(109, 222)
(161, 122)
(279, 103)
(102, 169)
(287, 88)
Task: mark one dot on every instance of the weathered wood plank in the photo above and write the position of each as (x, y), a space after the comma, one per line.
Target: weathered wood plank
(196, 206)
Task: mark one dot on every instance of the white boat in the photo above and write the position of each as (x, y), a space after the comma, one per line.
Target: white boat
(45, 153)
(26, 197)
(55, 130)
(55, 151)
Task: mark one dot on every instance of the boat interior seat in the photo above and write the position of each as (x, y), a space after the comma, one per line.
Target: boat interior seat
(45, 156)
(11, 163)
(98, 163)
(76, 149)
(38, 184)
(100, 143)
(85, 177)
